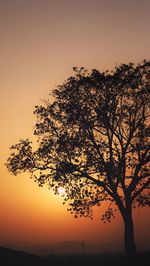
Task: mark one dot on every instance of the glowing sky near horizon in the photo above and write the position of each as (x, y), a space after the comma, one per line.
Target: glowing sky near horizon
(41, 40)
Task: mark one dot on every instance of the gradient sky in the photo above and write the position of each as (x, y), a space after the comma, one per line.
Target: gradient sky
(41, 40)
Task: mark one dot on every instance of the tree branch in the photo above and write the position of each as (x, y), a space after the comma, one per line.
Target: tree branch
(145, 185)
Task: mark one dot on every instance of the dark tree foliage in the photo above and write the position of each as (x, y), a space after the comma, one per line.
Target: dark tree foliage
(94, 141)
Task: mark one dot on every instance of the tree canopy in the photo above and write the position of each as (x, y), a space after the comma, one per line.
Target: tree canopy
(93, 139)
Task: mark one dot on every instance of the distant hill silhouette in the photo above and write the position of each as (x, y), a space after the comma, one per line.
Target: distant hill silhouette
(76, 247)
(12, 257)
(69, 247)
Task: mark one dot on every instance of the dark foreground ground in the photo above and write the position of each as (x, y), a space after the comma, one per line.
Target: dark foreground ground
(10, 257)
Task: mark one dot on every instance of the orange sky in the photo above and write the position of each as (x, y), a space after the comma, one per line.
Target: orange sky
(41, 40)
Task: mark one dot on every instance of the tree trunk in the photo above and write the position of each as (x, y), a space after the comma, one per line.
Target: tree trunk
(130, 246)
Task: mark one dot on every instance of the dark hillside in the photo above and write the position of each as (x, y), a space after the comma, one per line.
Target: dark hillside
(10, 257)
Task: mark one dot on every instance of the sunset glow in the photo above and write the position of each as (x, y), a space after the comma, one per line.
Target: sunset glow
(41, 41)
(61, 190)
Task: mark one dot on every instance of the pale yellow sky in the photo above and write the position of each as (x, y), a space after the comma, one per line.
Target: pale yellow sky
(41, 40)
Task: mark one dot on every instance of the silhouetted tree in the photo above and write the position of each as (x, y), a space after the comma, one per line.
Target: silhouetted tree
(93, 140)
